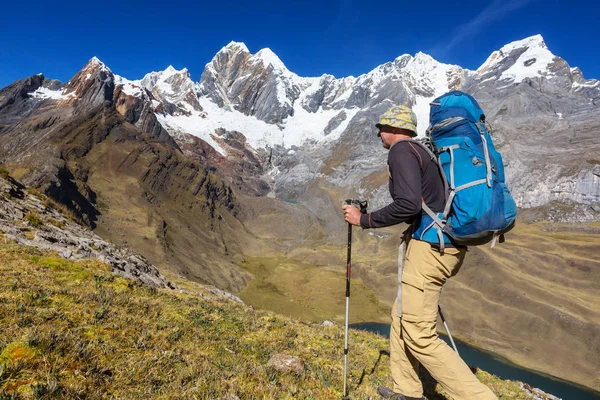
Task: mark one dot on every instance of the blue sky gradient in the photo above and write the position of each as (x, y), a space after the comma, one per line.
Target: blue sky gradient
(342, 38)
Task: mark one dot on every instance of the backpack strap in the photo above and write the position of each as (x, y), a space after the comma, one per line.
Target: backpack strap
(424, 145)
(440, 222)
(486, 153)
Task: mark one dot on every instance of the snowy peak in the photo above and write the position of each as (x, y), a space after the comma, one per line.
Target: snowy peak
(94, 64)
(424, 59)
(527, 58)
(95, 60)
(231, 53)
(131, 88)
(164, 77)
(91, 86)
(174, 88)
(257, 95)
(258, 85)
(93, 69)
(535, 41)
(235, 47)
(268, 58)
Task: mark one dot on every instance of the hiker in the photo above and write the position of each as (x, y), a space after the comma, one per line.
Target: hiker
(423, 269)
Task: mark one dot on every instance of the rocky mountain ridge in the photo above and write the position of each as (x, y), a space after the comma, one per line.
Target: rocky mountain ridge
(89, 145)
(528, 93)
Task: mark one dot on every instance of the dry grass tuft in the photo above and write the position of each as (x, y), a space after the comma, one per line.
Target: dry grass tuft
(61, 208)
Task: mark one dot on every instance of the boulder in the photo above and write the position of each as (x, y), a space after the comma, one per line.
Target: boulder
(286, 363)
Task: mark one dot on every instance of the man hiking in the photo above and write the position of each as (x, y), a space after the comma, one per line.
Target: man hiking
(414, 178)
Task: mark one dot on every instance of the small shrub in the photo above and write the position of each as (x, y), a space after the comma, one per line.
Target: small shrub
(33, 219)
(4, 173)
(48, 204)
(199, 318)
(39, 390)
(24, 323)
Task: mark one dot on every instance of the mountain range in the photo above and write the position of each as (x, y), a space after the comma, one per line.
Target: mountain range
(237, 179)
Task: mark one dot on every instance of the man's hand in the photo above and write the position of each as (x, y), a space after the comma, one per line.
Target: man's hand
(351, 214)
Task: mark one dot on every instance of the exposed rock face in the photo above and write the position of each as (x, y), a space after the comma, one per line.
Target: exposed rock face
(139, 111)
(26, 220)
(12, 97)
(257, 85)
(90, 132)
(543, 116)
(92, 86)
(262, 86)
(335, 122)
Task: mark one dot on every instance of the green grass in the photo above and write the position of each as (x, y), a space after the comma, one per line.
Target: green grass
(33, 219)
(304, 291)
(72, 330)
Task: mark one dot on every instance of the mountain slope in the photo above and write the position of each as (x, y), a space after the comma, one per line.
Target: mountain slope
(71, 329)
(135, 186)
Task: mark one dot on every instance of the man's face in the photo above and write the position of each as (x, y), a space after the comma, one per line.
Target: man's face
(387, 138)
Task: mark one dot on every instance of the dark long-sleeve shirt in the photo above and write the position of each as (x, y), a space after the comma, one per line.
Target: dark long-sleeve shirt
(413, 177)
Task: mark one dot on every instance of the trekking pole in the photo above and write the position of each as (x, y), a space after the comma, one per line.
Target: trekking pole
(348, 263)
(362, 206)
(447, 329)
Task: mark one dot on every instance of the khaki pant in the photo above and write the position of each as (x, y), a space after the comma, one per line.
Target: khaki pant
(413, 337)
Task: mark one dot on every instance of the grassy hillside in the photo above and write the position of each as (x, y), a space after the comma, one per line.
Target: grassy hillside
(74, 330)
(533, 299)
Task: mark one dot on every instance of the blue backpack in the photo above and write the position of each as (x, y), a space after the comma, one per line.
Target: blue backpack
(479, 207)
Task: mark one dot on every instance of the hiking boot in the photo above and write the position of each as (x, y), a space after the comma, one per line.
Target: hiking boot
(387, 393)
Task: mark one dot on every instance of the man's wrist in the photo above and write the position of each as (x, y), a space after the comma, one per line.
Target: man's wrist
(365, 221)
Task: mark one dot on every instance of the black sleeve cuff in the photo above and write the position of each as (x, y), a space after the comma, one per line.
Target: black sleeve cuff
(365, 220)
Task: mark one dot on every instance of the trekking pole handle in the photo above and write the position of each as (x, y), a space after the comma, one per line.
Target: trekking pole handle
(360, 204)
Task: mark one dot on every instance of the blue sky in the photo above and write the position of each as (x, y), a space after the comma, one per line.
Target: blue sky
(345, 37)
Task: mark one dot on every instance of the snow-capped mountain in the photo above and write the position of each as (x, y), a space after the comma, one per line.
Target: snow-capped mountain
(528, 93)
(258, 96)
(303, 108)
(544, 112)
